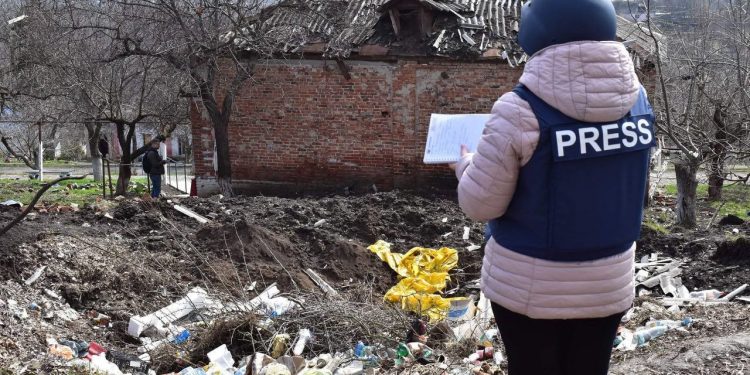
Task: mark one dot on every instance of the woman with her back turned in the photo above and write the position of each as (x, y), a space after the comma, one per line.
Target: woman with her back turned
(560, 174)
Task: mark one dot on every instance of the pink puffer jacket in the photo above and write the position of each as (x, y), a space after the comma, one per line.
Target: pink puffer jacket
(588, 81)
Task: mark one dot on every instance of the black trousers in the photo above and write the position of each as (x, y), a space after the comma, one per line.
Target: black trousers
(556, 346)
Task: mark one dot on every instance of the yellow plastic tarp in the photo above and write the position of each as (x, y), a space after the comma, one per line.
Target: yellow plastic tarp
(424, 274)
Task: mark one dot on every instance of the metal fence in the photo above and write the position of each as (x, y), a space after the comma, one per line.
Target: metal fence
(179, 175)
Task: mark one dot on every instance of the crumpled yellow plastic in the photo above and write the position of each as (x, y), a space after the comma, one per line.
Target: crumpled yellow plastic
(424, 274)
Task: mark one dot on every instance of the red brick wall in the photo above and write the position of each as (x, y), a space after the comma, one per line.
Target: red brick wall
(303, 124)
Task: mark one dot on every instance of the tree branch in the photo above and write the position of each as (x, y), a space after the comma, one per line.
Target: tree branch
(36, 198)
(6, 143)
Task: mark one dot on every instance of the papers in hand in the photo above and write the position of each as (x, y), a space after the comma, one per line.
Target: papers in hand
(448, 132)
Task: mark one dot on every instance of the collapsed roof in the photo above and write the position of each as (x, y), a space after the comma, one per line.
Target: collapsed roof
(450, 28)
(339, 28)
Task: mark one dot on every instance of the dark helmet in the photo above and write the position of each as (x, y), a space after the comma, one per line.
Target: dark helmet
(548, 22)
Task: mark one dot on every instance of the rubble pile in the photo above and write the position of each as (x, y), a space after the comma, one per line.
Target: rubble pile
(381, 283)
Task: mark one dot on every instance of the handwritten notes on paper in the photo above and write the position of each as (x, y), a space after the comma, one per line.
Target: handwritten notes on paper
(448, 132)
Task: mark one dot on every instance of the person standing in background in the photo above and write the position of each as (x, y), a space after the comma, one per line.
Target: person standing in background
(153, 165)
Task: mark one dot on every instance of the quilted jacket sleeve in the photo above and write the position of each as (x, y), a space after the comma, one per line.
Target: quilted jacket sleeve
(487, 177)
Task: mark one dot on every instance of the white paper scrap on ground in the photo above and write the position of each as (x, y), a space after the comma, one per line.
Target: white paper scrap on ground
(467, 231)
(448, 132)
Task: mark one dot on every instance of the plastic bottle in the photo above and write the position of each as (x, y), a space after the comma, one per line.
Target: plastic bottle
(181, 337)
(645, 335)
(303, 336)
(706, 295)
(670, 323)
(401, 352)
(359, 350)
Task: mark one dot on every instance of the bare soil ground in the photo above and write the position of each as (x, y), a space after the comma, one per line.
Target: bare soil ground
(148, 255)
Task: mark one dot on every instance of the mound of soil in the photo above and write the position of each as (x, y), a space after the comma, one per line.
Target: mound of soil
(733, 251)
(336, 248)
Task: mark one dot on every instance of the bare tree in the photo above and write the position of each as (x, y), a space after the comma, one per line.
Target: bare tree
(72, 52)
(702, 76)
(198, 38)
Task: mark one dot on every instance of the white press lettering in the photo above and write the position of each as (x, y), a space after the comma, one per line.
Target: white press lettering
(608, 135)
(646, 136)
(562, 143)
(589, 140)
(631, 137)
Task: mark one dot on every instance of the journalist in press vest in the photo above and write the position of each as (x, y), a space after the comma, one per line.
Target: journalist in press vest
(560, 174)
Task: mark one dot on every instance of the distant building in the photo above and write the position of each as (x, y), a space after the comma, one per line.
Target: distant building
(348, 99)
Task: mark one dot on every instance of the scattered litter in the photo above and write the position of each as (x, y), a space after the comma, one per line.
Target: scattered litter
(303, 337)
(473, 247)
(319, 223)
(424, 273)
(61, 351)
(734, 293)
(221, 359)
(35, 276)
(279, 345)
(322, 284)
(51, 294)
(12, 203)
(196, 298)
(67, 315)
(445, 220)
(467, 231)
(706, 295)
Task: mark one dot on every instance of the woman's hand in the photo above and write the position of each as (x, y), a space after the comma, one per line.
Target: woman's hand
(464, 152)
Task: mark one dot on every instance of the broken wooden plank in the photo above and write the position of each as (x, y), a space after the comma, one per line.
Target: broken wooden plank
(322, 284)
(191, 213)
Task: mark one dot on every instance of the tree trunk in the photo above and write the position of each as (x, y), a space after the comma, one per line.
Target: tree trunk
(50, 145)
(123, 179)
(717, 157)
(224, 170)
(93, 131)
(125, 172)
(96, 168)
(686, 171)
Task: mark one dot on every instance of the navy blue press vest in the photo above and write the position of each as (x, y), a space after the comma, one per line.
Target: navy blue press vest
(580, 196)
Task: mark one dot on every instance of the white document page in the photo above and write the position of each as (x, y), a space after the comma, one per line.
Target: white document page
(448, 132)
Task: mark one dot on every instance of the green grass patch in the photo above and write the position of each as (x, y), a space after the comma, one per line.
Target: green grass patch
(701, 191)
(735, 198)
(47, 163)
(66, 192)
(655, 226)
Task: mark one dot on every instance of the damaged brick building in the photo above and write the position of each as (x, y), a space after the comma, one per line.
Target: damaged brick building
(346, 103)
